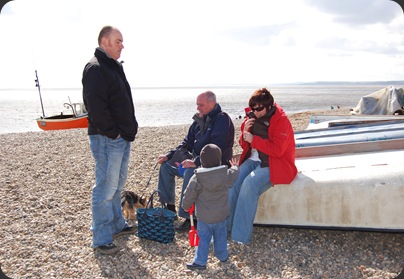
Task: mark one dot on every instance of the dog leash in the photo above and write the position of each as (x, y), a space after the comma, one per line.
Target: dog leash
(148, 182)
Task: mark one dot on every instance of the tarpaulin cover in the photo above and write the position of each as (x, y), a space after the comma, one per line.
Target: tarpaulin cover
(386, 101)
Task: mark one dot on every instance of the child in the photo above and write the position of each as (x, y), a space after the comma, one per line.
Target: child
(208, 188)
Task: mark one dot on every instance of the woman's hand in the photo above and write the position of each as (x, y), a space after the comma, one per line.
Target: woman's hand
(234, 161)
(248, 124)
(247, 136)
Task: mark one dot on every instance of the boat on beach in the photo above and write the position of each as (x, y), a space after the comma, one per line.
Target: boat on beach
(351, 137)
(356, 191)
(322, 121)
(351, 176)
(78, 118)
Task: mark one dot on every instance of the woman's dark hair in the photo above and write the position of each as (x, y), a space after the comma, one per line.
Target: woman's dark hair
(261, 97)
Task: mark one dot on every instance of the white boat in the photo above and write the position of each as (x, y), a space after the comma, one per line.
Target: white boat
(353, 138)
(322, 121)
(341, 185)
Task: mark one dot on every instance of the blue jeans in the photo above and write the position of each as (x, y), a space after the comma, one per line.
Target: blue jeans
(111, 168)
(205, 232)
(166, 185)
(252, 181)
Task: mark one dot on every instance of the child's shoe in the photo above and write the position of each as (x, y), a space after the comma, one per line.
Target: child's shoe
(193, 266)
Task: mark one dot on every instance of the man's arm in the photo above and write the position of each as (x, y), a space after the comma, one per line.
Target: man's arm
(96, 100)
(223, 136)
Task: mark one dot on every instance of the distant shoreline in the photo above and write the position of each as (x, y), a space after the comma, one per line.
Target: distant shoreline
(245, 86)
(299, 120)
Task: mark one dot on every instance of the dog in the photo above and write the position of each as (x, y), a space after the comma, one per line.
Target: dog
(129, 203)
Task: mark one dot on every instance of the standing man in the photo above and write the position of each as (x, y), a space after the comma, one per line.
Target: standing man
(112, 126)
(210, 125)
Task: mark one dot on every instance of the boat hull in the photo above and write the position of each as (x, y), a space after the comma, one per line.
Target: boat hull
(350, 134)
(363, 191)
(325, 121)
(54, 123)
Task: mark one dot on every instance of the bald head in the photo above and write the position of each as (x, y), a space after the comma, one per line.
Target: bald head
(206, 102)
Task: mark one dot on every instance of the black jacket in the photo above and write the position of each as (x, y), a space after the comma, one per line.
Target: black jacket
(216, 127)
(108, 98)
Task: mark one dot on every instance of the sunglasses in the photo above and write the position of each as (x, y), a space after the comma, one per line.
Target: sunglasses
(257, 109)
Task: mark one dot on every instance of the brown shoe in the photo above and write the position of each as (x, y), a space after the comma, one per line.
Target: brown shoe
(171, 207)
(186, 226)
(127, 230)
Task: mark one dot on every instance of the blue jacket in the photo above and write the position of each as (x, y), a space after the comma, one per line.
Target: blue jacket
(216, 127)
(108, 98)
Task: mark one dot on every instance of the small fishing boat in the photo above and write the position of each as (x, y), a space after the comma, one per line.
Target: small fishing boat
(350, 177)
(78, 118)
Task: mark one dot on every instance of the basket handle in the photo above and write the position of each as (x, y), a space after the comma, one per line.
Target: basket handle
(149, 205)
(151, 200)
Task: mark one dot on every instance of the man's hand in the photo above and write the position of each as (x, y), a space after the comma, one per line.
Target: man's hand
(188, 164)
(161, 159)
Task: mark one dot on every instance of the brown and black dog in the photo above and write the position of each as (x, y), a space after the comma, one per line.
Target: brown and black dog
(129, 203)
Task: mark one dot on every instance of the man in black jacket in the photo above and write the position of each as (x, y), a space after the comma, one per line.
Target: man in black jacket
(112, 126)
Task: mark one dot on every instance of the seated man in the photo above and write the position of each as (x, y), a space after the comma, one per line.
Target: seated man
(210, 125)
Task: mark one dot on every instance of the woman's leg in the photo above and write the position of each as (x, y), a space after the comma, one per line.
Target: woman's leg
(244, 170)
(256, 183)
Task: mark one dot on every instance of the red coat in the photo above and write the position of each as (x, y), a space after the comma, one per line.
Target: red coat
(280, 148)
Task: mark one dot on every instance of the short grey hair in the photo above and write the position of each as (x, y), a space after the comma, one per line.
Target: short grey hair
(210, 96)
(105, 32)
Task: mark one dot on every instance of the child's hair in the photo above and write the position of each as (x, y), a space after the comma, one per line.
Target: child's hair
(211, 156)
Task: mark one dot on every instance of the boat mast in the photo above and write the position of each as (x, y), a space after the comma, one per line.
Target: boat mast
(39, 90)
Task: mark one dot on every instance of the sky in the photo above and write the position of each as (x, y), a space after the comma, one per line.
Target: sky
(204, 43)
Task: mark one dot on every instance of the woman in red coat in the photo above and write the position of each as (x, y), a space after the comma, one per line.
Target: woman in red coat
(268, 158)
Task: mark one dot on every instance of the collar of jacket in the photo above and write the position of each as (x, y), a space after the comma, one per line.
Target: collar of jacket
(101, 54)
(267, 117)
(205, 121)
(264, 121)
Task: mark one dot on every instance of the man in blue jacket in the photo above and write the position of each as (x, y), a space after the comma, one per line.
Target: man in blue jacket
(112, 126)
(210, 125)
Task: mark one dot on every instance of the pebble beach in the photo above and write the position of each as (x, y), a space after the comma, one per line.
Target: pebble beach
(45, 215)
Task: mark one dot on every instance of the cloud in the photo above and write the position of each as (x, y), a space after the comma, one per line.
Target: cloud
(344, 46)
(257, 35)
(184, 42)
(358, 12)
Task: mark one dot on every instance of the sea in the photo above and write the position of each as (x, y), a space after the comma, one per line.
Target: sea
(162, 106)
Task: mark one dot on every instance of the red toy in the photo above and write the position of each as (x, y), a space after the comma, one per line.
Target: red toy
(193, 234)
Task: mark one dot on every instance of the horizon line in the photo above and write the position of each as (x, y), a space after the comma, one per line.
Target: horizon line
(390, 82)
